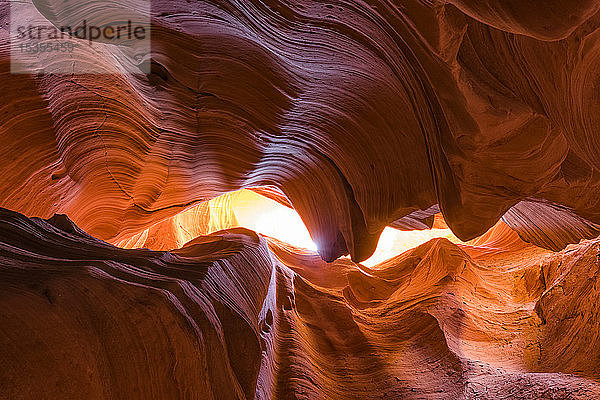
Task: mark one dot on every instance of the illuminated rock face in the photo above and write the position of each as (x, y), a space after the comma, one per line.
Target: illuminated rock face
(83, 319)
(360, 113)
(359, 116)
(224, 317)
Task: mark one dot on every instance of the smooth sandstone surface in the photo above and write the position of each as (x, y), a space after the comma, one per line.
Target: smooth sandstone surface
(125, 268)
(361, 113)
(234, 315)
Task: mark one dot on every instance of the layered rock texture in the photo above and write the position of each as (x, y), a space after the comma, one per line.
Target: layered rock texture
(233, 315)
(361, 113)
(125, 268)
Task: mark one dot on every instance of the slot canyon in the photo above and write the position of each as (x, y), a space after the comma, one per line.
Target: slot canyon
(300, 199)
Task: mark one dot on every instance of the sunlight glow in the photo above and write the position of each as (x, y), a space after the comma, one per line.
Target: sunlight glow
(393, 242)
(270, 218)
(248, 209)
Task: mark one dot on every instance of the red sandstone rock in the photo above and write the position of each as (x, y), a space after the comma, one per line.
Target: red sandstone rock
(359, 116)
(222, 317)
(83, 319)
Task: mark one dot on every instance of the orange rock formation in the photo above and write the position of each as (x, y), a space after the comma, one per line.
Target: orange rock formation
(126, 266)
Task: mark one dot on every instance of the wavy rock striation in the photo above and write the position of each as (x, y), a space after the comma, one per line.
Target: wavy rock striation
(224, 317)
(480, 116)
(83, 319)
(361, 113)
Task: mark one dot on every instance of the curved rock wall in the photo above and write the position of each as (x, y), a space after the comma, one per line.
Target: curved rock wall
(226, 317)
(83, 319)
(361, 113)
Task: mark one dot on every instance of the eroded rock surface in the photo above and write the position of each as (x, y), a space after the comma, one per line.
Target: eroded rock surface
(233, 315)
(361, 113)
(360, 116)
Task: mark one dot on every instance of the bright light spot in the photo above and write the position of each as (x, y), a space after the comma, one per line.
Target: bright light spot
(393, 242)
(270, 218)
(248, 209)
